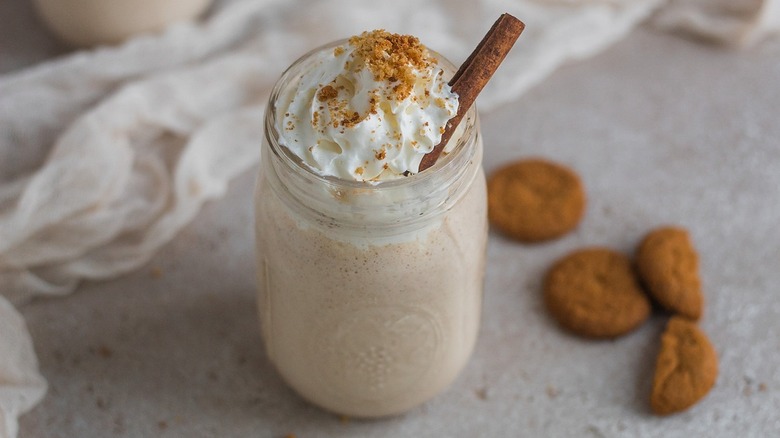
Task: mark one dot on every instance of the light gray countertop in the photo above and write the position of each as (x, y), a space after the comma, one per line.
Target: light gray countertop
(661, 129)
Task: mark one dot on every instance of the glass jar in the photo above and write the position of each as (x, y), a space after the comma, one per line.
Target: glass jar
(370, 295)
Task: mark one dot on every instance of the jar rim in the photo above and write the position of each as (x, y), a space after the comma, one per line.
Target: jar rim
(444, 164)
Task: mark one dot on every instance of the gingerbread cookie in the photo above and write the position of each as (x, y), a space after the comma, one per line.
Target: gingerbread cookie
(669, 266)
(534, 200)
(686, 369)
(594, 292)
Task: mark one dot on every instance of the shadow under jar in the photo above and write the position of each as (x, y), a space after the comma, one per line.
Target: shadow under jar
(370, 295)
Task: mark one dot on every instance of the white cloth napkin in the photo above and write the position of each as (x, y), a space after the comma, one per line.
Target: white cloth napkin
(733, 22)
(106, 154)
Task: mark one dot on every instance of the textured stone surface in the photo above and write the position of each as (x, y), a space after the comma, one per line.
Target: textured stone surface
(661, 129)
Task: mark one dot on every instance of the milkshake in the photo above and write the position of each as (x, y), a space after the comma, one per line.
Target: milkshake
(370, 273)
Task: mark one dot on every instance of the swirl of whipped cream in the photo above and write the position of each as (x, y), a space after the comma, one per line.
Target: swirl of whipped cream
(368, 110)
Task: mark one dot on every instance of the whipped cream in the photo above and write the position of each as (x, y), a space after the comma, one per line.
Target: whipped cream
(368, 110)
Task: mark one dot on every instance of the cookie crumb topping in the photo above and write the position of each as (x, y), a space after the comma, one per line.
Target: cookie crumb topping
(393, 58)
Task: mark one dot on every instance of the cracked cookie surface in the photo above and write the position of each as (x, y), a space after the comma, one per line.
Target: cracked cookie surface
(686, 368)
(668, 264)
(534, 200)
(594, 292)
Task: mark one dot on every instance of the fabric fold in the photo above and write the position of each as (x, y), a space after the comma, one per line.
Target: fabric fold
(736, 23)
(21, 385)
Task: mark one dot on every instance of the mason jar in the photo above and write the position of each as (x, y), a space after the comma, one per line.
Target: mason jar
(370, 295)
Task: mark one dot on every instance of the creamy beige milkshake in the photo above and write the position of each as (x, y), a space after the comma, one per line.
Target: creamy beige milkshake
(370, 275)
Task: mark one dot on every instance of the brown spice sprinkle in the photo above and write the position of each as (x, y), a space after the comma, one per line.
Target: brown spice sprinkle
(341, 114)
(392, 57)
(326, 93)
(686, 368)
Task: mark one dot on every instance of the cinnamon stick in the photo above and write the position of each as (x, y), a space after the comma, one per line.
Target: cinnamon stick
(474, 73)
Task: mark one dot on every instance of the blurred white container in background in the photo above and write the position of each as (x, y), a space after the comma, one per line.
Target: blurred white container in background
(94, 22)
